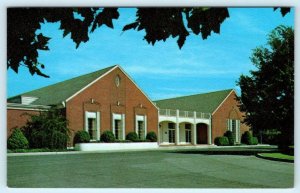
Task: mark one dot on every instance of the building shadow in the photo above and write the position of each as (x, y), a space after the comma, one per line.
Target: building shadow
(227, 151)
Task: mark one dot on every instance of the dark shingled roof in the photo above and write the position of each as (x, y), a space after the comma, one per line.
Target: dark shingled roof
(206, 102)
(57, 93)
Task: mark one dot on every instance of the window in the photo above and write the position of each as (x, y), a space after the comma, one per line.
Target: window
(92, 128)
(141, 130)
(188, 133)
(117, 80)
(234, 126)
(118, 129)
(92, 124)
(171, 135)
(171, 125)
(118, 126)
(141, 126)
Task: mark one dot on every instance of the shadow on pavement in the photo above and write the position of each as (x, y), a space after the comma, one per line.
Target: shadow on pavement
(224, 151)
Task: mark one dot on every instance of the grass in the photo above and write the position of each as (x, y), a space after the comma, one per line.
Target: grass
(223, 168)
(277, 156)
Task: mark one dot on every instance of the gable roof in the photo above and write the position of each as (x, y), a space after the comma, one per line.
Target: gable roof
(57, 93)
(206, 102)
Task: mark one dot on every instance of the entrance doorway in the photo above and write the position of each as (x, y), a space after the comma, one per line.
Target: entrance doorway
(201, 133)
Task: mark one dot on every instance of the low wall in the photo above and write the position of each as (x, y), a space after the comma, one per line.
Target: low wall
(114, 146)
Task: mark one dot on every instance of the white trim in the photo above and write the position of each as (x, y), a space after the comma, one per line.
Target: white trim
(224, 101)
(137, 86)
(98, 125)
(94, 115)
(91, 83)
(121, 117)
(27, 109)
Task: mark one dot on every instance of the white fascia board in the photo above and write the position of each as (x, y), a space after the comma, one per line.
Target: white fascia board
(137, 86)
(91, 83)
(223, 101)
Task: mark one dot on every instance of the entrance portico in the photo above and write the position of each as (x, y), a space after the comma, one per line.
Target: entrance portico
(184, 127)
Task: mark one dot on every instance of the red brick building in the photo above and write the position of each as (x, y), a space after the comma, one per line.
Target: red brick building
(109, 99)
(200, 118)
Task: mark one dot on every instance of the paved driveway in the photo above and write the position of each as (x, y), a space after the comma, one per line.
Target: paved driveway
(153, 169)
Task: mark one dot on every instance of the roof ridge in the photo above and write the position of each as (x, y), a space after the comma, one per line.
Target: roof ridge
(194, 94)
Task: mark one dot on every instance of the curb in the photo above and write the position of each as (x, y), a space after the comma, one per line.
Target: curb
(274, 159)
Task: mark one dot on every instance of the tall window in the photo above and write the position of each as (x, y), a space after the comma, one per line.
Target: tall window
(171, 127)
(118, 129)
(141, 126)
(141, 130)
(92, 124)
(234, 126)
(188, 133)
(118, 125)
(92, 128)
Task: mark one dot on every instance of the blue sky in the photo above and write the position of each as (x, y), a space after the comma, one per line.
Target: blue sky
(162, 70)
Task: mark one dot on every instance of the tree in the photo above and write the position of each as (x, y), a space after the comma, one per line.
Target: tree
(23, 43)
(267, 94)
(48, 129)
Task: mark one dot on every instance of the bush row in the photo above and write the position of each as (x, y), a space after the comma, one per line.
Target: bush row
(228, 139)
(248, 139)
(108, 137)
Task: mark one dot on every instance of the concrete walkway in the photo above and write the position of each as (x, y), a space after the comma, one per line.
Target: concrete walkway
(160, 148)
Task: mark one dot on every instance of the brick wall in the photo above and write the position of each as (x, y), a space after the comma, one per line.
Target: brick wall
(228, 110)
(107, 99)
(17, 118)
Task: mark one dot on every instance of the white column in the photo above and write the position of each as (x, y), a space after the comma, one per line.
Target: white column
(98, 125)
(194, 132)
(86, 121)
(123, 122)
(177, 128)
(209, 131)
(145, 125)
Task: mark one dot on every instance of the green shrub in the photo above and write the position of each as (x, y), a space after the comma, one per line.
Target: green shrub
(107, 136)
(47, 130)
(151, 136)
(132, 136)
(254, 141)
(230, 137)
(17, 140)
(81, 137)
(246, 138)
(221, 141)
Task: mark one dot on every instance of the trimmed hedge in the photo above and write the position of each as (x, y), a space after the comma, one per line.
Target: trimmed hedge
(132, 136)
(107, 136)
(151, 136)
(246, 138)
(230, 137)
(254, 141)
(221, 141)
(81, 137)
(17, 140)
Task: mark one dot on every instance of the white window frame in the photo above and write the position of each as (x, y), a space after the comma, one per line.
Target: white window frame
(141, 118)
(121, 117)
(237, 128)
(94, 115)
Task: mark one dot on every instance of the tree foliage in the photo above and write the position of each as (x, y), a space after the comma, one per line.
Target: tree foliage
(17, 140)
(47, 130)
(23, 41)
(267, 94)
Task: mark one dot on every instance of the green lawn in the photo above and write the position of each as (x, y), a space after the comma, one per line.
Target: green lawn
(279, 156)
(206, 168)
